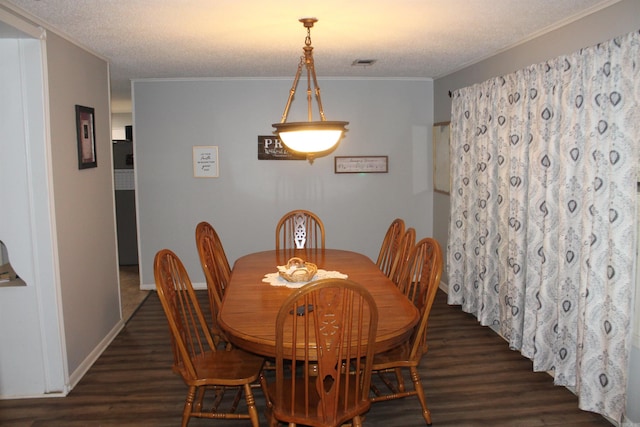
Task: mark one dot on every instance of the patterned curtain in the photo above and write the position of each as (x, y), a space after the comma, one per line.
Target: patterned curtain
(542, 236)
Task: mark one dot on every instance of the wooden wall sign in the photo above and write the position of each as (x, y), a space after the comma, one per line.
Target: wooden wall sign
(271, 148)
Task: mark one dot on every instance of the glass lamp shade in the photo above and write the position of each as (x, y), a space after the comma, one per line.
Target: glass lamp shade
(310, 138)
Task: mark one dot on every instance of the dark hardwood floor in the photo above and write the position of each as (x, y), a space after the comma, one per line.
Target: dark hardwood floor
(470, 377)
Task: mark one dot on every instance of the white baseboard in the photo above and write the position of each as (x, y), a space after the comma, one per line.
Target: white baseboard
(444, 287)
(35, 396)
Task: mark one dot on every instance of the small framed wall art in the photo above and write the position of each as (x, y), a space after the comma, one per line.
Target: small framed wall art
(361, 164)
(205, 161)
(85, 129)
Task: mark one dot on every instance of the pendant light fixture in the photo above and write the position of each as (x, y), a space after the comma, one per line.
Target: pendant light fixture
(311, 138)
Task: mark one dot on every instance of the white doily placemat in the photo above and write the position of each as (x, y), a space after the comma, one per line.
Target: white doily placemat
(274, 279)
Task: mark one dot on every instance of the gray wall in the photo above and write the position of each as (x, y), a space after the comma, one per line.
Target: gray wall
(84, 203)
(60, 227)
(620, 18)
(387, 117)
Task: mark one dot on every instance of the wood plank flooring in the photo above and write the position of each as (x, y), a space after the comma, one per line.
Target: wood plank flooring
(470, 377)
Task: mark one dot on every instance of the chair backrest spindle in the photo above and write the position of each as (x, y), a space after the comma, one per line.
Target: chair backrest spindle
(390, 246)
(401, 259)
(300, 229)
(189, 330)
(324, 334)
(216, 271)
(420, 284)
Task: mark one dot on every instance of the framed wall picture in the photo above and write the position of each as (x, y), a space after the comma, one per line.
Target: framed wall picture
(441, 179)
(205, 161)
(86, 131)
(361, 164)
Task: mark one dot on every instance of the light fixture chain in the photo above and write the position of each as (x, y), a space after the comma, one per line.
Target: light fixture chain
(311, 72)
(311, 138)
(317, 92)
(292, 91)
(307, 40)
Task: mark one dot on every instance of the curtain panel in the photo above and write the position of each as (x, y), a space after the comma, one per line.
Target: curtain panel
(542, 234)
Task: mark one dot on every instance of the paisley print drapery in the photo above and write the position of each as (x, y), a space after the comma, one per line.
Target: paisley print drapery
(542, 235)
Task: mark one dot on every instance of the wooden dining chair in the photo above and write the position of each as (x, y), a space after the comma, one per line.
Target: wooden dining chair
(424, 255)
(202, 367)
(325, 332)
(217, 273)
(390, 245)
(401, 259)
(300, 229)
(205, 231)
(421, 284)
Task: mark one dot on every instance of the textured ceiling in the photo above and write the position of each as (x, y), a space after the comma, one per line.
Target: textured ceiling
(260, 38)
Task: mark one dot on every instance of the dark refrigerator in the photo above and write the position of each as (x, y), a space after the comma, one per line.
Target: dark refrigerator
(125, 196)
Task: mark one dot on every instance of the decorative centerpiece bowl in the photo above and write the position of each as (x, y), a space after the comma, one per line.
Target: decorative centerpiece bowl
(297, 270)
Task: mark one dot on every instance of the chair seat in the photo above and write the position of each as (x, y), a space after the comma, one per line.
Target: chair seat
(399, 356)
(231, 368)
(195, 358)
(300, 409)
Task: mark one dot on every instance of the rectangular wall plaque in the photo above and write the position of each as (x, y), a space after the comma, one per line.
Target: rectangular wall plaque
(205, 161)
(361, 164)
(271, 148)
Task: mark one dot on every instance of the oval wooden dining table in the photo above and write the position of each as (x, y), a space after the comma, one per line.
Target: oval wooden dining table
(250, 306)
